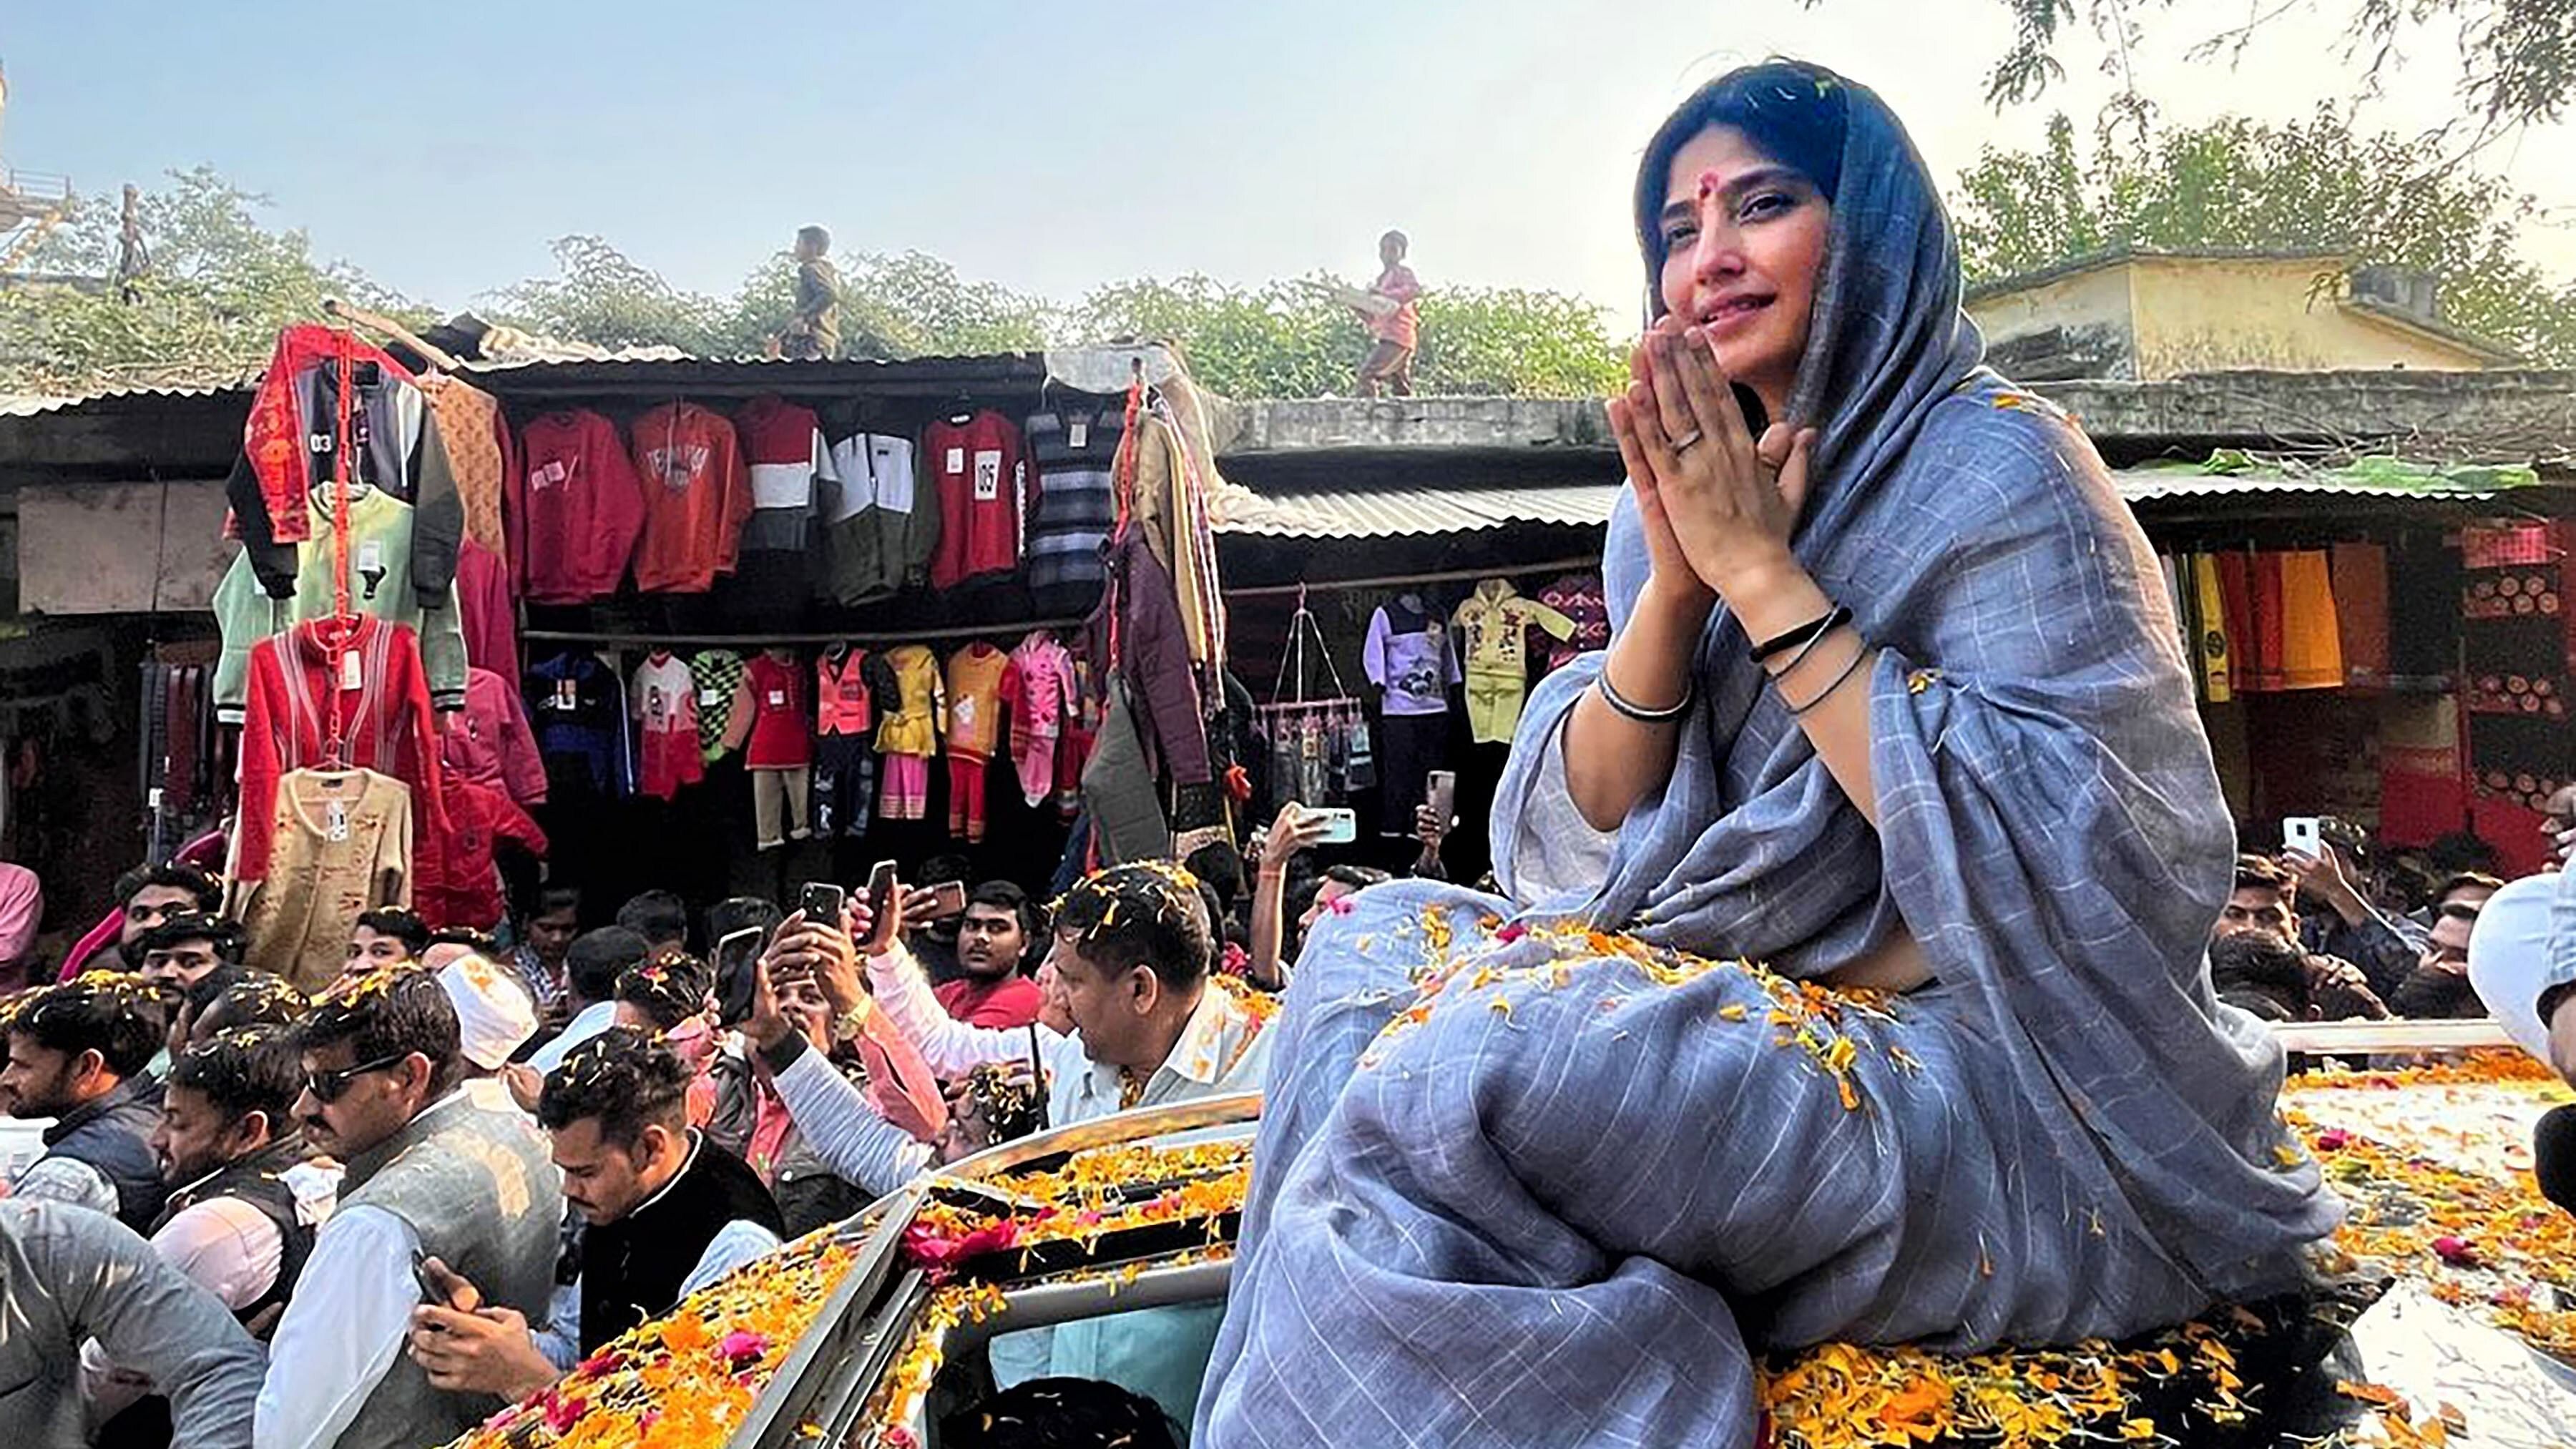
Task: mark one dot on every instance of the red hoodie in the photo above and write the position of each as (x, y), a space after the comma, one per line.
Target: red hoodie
(576, 509)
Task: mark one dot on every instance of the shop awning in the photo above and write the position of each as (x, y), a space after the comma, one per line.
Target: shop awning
(1358, 510)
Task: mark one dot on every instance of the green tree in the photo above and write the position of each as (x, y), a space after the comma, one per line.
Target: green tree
(2241, 183)
(602, 296)
(2516, 58)
(1289, 339)
(219, 287)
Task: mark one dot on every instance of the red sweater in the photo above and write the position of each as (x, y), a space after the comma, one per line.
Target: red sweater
(697, 496)
(386, 723)
(575, 509)
(454, 880)
(985, 493)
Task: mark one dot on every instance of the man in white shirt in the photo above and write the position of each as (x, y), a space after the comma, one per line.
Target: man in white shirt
(244, 1192)
(1131, 959)
(667, 1213)
(432, 1170)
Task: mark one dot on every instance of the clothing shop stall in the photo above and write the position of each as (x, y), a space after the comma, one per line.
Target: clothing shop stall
(718, 627)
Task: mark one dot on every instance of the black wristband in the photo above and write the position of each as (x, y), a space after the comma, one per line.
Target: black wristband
(1804, 634)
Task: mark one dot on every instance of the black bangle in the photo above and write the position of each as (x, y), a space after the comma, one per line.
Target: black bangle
(1804, 634)
(1627, 708)
(2551, 999)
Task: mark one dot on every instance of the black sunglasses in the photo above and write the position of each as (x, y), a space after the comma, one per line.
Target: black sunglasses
(331, 1086)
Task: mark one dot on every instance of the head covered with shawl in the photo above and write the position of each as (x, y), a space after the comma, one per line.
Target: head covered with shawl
(2050, 826)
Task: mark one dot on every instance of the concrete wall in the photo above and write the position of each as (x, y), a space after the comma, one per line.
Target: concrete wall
(2079, 325)
(2211, 314)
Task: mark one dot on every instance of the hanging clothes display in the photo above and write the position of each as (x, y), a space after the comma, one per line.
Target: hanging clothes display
(479, 453)
(380, 584)
(339, 846)
(879, 530)
(1168, 494)
(697, 498)
(486, 616)
(716, 675)
(908, 735)
(1039, 690)
(358, 686)
(2359, 573)
(290, 448)
(2236, 601)
(1579, 598)
(457, 880)
(490, 741)
(770, 724)
(787, 465)
(1311, 738)
(665, 710)
(2213, 632)
(1075, 452)
(2311, 636)
(984, 490)
(579, 706)
(1495, 622)
(1138, 627)
(845, 758)
(1410, 656)
(575, 509)
(978, 678)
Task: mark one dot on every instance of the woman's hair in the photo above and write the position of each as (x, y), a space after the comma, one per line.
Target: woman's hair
(1795, 113)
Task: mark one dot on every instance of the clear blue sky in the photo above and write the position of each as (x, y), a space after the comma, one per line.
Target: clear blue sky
(442, 147)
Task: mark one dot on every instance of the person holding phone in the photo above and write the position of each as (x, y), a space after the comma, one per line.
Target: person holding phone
(2351, 928)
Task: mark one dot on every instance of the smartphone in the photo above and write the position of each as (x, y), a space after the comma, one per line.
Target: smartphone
(948, 898)
(881, 888)
(1341, 825)
(735, 954)
(432, 1292)
(1441, 794)
(2304, 834)
(821, 903)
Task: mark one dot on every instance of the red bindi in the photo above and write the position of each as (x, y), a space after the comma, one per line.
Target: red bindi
(1710, 183)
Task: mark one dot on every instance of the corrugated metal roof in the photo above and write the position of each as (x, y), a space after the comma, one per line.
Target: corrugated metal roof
(25, 406)
(1358, 511)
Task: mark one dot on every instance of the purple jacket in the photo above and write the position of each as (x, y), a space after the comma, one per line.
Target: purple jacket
(1154, 656)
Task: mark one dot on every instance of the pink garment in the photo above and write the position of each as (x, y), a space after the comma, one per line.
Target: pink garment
(490, 741)
(1040, 691)
(22, 909)
(485, 610)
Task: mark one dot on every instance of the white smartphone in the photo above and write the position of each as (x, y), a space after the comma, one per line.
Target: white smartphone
(2304, 834)
(1341, 826)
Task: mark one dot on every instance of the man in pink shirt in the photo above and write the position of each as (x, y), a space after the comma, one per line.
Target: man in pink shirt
(1397, 328)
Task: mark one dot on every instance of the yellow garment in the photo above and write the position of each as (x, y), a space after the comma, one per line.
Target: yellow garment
(914, 726)
(1495, 622)
(2311, 635)
(2212, 659)
(342, 847)
(467, 424)
(974, 719)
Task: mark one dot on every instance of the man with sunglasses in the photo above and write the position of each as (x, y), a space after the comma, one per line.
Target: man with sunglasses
(434, 1171)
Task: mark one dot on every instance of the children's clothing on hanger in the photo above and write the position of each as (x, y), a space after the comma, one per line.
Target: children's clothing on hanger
(480, 454)
(1495, 621)
(716, 675)
(575, 509)
(908, 735)
(339, 846)
(984, 493)
(1578, 597)
(1410, 656)
(490, 741)
(665, 707)
(782, 443)
(373, 686)
(879, 531)
(579, 706)
(1039, 691)
(381, 584)
(1073, 452)
(977, 681)
(770, 721)
(457, 880)
(697, 499)
(845, 758)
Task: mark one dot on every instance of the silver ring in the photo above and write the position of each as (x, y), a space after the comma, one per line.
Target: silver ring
(1683, 443)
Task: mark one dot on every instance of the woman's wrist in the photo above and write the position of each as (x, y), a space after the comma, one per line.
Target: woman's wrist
(1681, 604)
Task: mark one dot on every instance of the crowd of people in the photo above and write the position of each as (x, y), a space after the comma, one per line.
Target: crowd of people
(2337, 935)
(372, 1216)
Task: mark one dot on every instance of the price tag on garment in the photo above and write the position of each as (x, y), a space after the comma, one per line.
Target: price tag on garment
(988, 475)
(335, 820)
(710, 698)
(956, 461)
(350, 677)
(1077, 433)
(778, 699)
(371, 555)
(567, 696)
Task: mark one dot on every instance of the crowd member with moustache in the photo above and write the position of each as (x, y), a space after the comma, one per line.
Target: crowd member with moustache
(664, 1212)
(2439, 986)
(432, 1170)
(69, 1276)
(994, 938)
(78, 1051)
(2263, 904)
(1132, 953)
(245, 1196)
(193, 958)
(145, 897)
